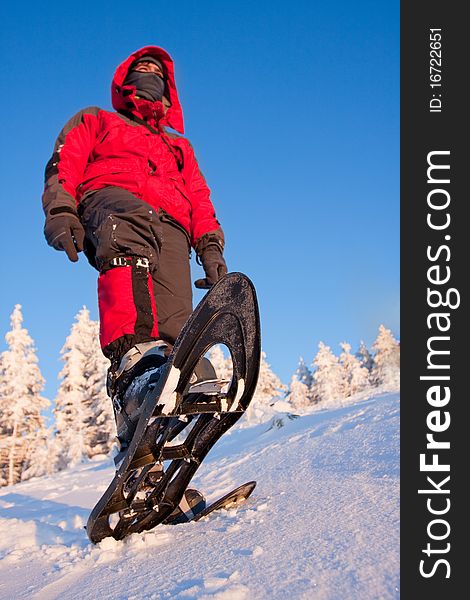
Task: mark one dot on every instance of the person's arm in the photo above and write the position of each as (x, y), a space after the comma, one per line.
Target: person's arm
(64, 173)
(203, 219)
(207, 236)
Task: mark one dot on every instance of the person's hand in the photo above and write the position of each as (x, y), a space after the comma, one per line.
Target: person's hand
(213, 264)
(63, 231)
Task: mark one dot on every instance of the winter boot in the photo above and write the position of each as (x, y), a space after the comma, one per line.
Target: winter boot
(136, 361)
(128, 384)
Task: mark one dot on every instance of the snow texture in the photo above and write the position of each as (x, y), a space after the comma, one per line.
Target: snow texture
(323, 522)
(168, 396)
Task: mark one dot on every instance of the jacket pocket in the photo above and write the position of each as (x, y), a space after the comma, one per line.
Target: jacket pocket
(111, 166)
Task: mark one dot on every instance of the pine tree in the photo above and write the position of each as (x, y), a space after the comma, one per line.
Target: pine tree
(268, 390)
(96, 368)
(299, 394)
(84, 421)
(301, 387)
(23, 434)
(70, 415)
(39, 462)
(330, 376)
(386, 369)
(365, 357)
(357, 376)
(304, 374)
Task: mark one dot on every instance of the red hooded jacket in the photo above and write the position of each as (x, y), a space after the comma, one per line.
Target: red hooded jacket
(99, 148)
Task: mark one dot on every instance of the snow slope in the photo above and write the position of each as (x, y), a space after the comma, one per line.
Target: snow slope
(323, 522)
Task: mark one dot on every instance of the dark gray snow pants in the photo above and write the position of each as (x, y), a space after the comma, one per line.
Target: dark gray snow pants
(144, 286)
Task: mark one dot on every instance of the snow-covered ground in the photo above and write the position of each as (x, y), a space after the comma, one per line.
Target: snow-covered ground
(323, 522)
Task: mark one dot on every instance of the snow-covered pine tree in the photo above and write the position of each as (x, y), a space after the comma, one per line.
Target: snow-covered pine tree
(329, 375)
(357, 375)
(386, 369)
(39, 462)
(23, 434)
(364, 356)
(96, 369)
(71, 414)
(222, 365)
(301, 387)
(84, 422)
(268, 390)
(304, 374)
(298, 395)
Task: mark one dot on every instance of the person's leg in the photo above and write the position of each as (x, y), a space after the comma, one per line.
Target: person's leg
(172, 280)
(123, 240)
(173, 289)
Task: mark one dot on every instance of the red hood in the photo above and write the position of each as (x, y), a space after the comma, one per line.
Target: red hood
(172, 115)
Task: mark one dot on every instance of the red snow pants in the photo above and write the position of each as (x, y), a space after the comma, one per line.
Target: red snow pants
(144, 283)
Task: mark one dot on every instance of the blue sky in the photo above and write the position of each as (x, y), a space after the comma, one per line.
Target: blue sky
(293, 110)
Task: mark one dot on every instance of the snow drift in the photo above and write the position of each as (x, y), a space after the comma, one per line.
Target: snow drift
(323, 521)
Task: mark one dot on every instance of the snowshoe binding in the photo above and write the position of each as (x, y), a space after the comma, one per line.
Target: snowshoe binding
(127, 385)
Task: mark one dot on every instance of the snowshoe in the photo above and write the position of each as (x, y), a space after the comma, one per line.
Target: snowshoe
(180, 416)
(231, 500)
(198, 508)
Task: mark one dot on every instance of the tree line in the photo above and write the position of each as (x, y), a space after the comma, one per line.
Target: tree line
(83, 423)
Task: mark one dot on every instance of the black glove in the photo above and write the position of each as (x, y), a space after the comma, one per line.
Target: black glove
(64, 231)
(213, 264)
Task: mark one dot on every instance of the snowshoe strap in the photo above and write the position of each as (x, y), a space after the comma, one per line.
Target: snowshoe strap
(133, 356)
(210, 387)
(130, 426)
(185, 508)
